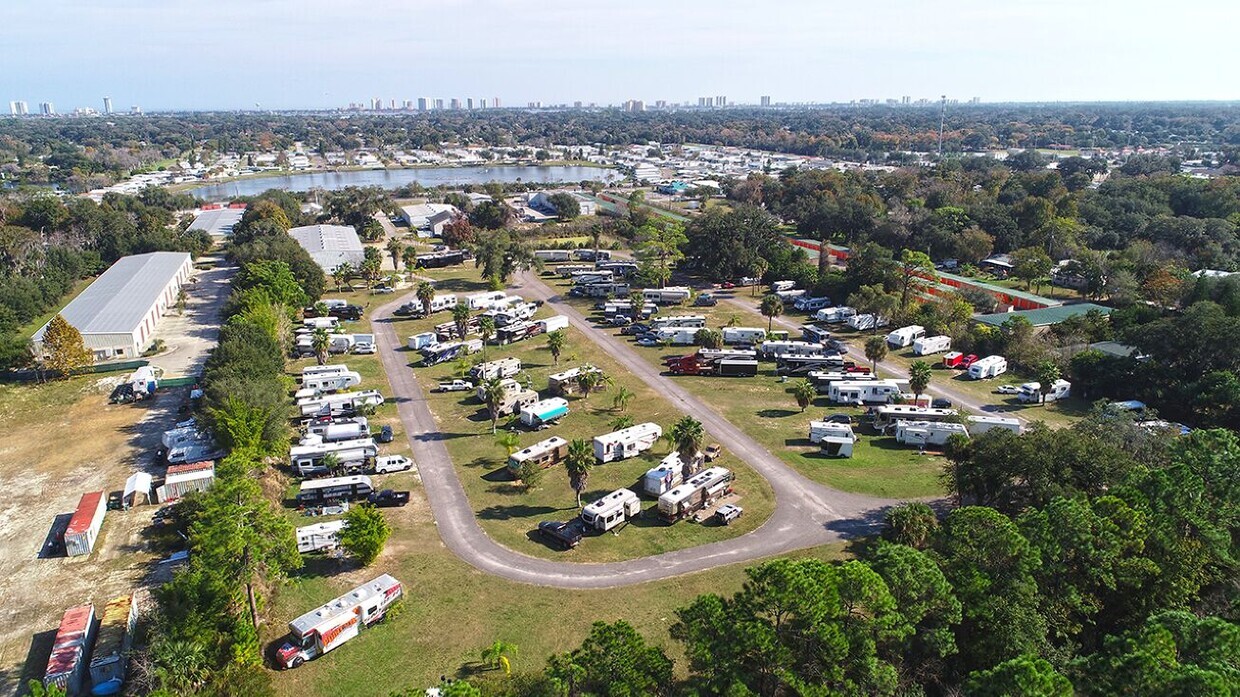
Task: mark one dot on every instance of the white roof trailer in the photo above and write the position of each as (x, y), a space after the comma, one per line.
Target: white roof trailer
(928, 432)
(887, 415)
(679, 321)
(327, 627)
(819, 430)
(319, 537)
(331, 381)
(670, 295)
(835, 315)
(779, 349)
(484, 301)
(626, 443)
(988, 367)
(612, 510)
(864, 392)
(502, 368)
(932, 344)
(1031, 392)
(978, 425)
(443, 302)
(308, 459)
(905, 336)
(312, 370)
(344, 400)
(665, 476)
(335, 431)
(695, 494)
(747, 335)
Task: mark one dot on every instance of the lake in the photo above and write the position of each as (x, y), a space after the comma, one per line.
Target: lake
(393, 178)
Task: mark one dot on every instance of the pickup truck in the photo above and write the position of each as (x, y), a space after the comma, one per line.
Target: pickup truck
(388, 498)
(565, 535)
(409, 310)
(456, 386)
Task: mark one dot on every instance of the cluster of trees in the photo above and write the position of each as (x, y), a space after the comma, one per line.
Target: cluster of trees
(1093, 561)
(48, 244)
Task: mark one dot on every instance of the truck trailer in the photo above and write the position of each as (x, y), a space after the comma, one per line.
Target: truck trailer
(327, 627)
(627, 442)
(83, 529)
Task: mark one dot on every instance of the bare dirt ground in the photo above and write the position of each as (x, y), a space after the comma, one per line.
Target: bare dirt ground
(58, 441)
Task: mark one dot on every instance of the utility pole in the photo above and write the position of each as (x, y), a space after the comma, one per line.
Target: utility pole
(942, 122)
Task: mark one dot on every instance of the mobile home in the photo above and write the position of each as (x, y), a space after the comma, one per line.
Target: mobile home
(1031, 392)
(865, 391)
(83, 530)
(695, 494)
(923, 433)
(627, 442)
(671, 295)
(988, 367)
(544, 412)
(319, 537)
(544, 453)
(612, 510)
(317, 491)
(905, 336)
(928, 345)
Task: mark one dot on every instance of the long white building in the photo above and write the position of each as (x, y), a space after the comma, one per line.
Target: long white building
(118, 313)
(330, 245)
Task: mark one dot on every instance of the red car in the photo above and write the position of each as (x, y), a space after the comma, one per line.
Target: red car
(968, 361)
(727, 285)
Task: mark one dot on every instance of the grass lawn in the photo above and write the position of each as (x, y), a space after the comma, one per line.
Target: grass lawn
(764, 408)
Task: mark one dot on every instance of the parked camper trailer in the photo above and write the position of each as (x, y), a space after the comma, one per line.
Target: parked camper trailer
(928, 345)
(435, 260)
(780, 286)
(516, 401)
(501, 368)
(988, 367)
(591, 254)
(109, 660)
(509, 386)
(835, 439)
(307, 460)
(564, 384)
(544, 412)
(331, 381)
(315, 370)
(978, 425)
(586, 278)
(835, 315)
(443, 302)
(602, 289)
(319, 537)
(567, 270)
(806, 303)
(804, 365)
(627, 442)
(1031, 392)
(68, 664)
(612, 510)
(553, 254)
(553, 323)
(317, 491)
(483, 301)
(79, 537)
(743, 335)
(517, 313)
(417, 342)
(665, 476)
(905, 336)
(864, 322)
(888, 415)
(924, 433)
(671, 295)
(328, 323)
(345, 401)
(789, 296)
(695, 494)
(544, 453)
(777, 349)
(518, 331)
(618, 267)
(865, 391)
(677, 336)
(437, 353)
(814, 334)
(678, 321)
(327, 627)
(339, 429)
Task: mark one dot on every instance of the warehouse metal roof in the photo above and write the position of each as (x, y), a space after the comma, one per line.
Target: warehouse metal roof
(218, 222)
(119, 299)
(329, 245)
(1045, 316)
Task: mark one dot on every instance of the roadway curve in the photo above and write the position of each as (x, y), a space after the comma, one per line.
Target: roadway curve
(807, 514)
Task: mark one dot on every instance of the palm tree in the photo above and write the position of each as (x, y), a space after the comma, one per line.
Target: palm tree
(493, 394)
(804, 392)
(426, 294)
(875, 350)
(709, 338)
(372, 268)
(918, 378)
(556, 343)
(591, 379)
(596, 234)
(393, 249)
(320, 341)
(622, 422)
(331, 462)
(758, 267)
(321, 309)
(687, 435)
(734, 320)
(409, 257)
(342, 274)
(498, 655)
(460, 317)
(508, 441)
(578, 463)
(486, 327)
(772, 307)
(620, 400)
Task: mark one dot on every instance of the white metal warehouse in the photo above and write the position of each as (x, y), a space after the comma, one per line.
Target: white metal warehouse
(118, 313)
(330, 245)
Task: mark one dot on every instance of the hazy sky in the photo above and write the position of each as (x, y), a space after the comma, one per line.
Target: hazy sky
(322, 53)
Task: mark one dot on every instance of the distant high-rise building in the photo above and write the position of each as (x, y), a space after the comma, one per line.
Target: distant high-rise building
(765, 100)
(439, 104)
(495, 102)
(107, 105)
(576, 105)
(456, 103)
(704, 101)
(660, 104)
(482, 102)
(469, 103)
(392, 104)
(19, 108)
(47, 109)
(424, 103)
(135, 110)
(376, 104)
(721, 101)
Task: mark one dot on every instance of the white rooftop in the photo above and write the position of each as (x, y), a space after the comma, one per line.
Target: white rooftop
(329, 245)
(218, 222)
(121, 297)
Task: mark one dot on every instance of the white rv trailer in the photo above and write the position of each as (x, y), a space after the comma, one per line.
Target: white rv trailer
(552, 323)
(1031, 392)
(483, 301)
(336, 402)
(978, 425)
(544, 453)
(624, 307)
(345, 430)
(565, 383)
(515, 313)
(553, 254)
(567, 270)
(681, 321)
(320, 322)
(835, 315)
(698, 492)
(671, 295)
(743, 335)
(928, 345)
(865, 391)
(508, 384)
(814, 334)
(905, 336)
(924, 433)
(665, 476)
(315, 370)
(327, 627)
(417, 342)
(888, 415)
(443, 302)
(612, 510)
(544, 412)
(516, 400)
(823, 379)
(627, 442)
(808, 304)
(779, 349)
(988, 367)
(864, 322)
(307, 460)
(316, 491)
(677, 336)
(501, 368)
(319, 537)
(331, 381)
(780, 286)
(824, 429)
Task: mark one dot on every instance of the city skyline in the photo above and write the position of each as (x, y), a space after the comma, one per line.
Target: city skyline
(799, 52)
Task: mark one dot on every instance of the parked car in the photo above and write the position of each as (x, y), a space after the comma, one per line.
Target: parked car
(840, 419)
(647, 341)
(409, 310)
(728, 512)
(456, 386)
(392, 463)
(706, 300)
(364, 349)
(385, 434)
(727, 285)
(635, 329)
(1007, 389)
(968, 361)
(388, 498)
(713, 452)
(621, 320)
(566, 535)
(941, 403)
(383, 289)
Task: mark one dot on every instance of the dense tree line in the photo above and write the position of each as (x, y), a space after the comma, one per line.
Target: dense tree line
(1093, 561)
(48, 244)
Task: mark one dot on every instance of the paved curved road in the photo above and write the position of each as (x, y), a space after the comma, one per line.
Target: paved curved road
(807, 514)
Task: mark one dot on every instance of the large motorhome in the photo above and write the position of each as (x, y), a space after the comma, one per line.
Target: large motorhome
(671, 295)
(624, 307)
(680, 321)
(887, 415)
(777, 349)
(434, 260)
(501, 368)
(627, 442)
(544, 453)
(331, 381)
(327, 627)
(743, 335)
(1031, 392)
(924, 433)
(835, 315)
(319, 537)
(807, 304)
(585, 278)
(865, 391)
(905, 336)
(316, 491)
(698, 492)
(814, 334)
(544, 412)
(612, 510)
(988, 367)
(928, 345)
(307, 460)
